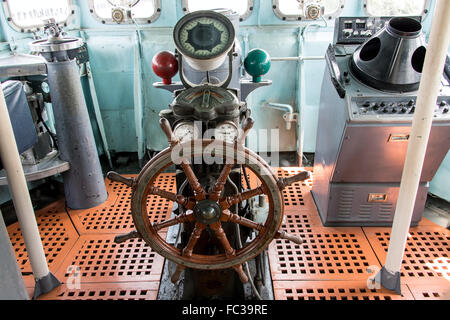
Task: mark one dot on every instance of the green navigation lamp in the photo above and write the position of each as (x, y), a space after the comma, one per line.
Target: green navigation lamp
(257, 63)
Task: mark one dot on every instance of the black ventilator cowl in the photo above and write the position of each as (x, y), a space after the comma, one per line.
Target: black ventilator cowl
(392, 59)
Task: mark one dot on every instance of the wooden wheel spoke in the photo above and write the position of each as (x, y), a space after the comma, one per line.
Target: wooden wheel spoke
(199, 192)
(189, 249)
(222, 237)
(195, 235)
(220, 183)
(228, 216)
(282, 183)
(176, 220)
(229, 251)
(227, 202)
(188, 203)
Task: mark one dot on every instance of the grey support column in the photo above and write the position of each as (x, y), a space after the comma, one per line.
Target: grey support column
(84, 185)
(12, 286)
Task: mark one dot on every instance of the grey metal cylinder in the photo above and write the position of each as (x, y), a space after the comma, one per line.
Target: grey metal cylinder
(84, 185)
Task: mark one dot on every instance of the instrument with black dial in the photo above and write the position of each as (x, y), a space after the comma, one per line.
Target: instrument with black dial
(204, 35)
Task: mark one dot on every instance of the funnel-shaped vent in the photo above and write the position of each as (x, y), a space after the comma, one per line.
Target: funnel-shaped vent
(392, 59)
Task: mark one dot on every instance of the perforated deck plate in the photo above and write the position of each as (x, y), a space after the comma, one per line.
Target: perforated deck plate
(106, 291)
(132, 270)
(99, 259)
(116, 189)
(57, 234)
(427, 253)
(326, 254)
(114, 216)
(296, 195)
(430, 291)
(334, 290)
(300, 220)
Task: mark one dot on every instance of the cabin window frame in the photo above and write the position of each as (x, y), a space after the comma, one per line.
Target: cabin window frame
(35, 28)
(425, 10)
(300, 17)
(148, 20)
(242, 17)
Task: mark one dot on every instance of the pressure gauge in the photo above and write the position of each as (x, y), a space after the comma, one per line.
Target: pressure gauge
(186, 131)
(226, 131)
(204, 38)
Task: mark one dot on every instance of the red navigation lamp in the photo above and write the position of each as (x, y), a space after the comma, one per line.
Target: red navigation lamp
(165, 66)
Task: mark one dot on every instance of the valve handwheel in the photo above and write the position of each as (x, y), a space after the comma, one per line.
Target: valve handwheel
(208, 210)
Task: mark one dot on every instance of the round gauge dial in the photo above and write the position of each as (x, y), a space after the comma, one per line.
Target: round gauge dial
(226, 131)
(186, 131)
(204, 35)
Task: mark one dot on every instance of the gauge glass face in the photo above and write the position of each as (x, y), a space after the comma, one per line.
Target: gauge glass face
(226, 131)
(186, 131)
(204, 37)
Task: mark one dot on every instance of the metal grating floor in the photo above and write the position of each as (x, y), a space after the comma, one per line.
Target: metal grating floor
(334, 290)
(99, 259)
(58, 236)
(332, 264)
(325, 255)
(427, 253)
(106, 291)
(113, 216)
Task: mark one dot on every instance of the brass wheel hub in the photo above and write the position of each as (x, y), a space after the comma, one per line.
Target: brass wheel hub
(207, 211)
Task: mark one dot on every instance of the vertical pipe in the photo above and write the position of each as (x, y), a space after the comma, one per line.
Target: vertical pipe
(98, 113)
(138, 103)
(300, 95)
(421, 126)
(21, 197)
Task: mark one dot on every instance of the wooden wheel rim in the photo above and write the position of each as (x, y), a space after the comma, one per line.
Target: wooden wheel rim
(208, 262)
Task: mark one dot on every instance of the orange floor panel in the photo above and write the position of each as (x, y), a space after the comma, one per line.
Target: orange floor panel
(57, 232)
(427, 253)
(326, 254)
(333, 263)
(106, 291)
(300, 220)
(298, 194)
(99, 259)
(116, 189)
(430, 291)
(114, 215)
(334, 290)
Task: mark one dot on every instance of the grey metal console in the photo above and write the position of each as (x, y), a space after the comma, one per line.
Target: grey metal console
(362, 141)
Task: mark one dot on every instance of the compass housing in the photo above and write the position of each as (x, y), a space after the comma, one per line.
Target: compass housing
(206, 44)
